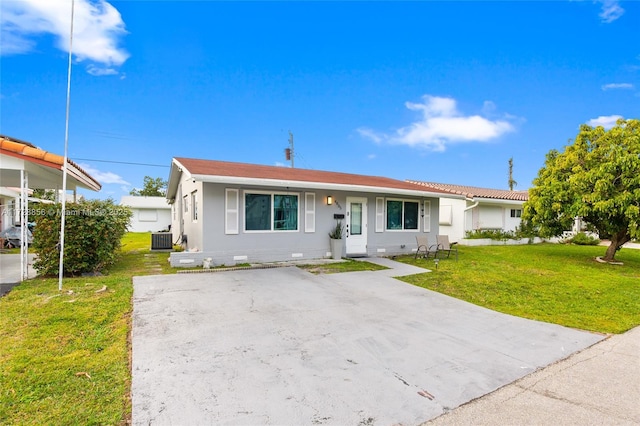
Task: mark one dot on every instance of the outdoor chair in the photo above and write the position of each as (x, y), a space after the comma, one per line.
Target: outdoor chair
(424, 247)
(444, 246)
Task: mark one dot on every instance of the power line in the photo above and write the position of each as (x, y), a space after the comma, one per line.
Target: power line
(121, 162)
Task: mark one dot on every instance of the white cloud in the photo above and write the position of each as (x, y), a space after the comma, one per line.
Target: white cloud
(370, 134)
(98, 71)
(104, 177)
(611, 10)
(97, 28)
(442, 124)
(617, 86)
(371, 156)
(606, 121)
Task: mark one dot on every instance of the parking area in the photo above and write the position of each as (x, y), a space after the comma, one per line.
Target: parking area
(283, 346)
(10, 271)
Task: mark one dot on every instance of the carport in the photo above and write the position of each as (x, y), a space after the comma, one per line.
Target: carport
(24, 166)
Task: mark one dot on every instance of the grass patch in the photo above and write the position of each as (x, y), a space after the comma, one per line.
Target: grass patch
(347, 265)
(554, 283)
(64, 356)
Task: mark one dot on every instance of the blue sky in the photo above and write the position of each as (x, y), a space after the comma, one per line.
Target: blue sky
(437, 91)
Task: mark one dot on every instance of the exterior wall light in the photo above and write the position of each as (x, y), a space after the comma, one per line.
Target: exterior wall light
(329, 200)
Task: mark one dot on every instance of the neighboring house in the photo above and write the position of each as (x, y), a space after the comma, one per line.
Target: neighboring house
(9, 200)
(237, 213)
(479, 209)
(150, 214)
(24, 167)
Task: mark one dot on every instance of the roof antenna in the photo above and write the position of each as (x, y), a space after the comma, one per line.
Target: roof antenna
(289, 153)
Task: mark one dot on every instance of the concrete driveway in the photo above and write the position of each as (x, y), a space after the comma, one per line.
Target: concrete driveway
(10, 271)
(282, 346)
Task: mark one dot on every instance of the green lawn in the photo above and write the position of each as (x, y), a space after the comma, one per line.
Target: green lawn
(562, 284)
(347, 265)
(64, 356)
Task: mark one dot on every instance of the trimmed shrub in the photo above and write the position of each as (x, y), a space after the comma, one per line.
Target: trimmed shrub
(93, 230)
(494, 234)
(583, 239)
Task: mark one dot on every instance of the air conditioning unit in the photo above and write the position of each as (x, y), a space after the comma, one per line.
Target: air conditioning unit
(161, 241)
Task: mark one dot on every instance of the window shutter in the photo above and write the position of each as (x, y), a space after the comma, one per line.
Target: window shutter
(427, 216)
(309, 212)
(379, 214)
(231, 211)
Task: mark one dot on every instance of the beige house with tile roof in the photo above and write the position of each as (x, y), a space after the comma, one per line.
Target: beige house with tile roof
(238, 213)
(480, 208)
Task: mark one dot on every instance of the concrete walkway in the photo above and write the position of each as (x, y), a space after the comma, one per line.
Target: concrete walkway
(597, 386)
(283, 346)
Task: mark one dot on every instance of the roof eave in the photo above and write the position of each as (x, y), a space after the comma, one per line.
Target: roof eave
(289, 184)
(174, 180)
(484, 200)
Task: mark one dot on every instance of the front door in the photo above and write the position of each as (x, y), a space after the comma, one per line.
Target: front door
(356, 226)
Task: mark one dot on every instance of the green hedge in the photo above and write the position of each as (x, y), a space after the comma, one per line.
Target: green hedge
(583, 239)
(93, 230)
(494, 234)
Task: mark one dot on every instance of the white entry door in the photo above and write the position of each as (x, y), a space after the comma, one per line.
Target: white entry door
(356, 226)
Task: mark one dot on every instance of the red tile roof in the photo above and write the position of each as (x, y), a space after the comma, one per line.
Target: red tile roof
(29, 152)
(475, 192)
(254, 171)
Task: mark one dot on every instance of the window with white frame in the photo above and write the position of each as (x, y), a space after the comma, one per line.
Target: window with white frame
(270, 211)
(516, 212)
(194, 206)
(402, 215)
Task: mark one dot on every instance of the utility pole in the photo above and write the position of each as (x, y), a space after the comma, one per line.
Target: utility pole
(289, 153)
(512, 182)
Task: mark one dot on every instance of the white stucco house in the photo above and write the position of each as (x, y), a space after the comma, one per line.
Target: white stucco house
(236, 212)
(150, 214)
(477, 209)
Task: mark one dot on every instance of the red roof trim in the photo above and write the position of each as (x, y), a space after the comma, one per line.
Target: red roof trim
(255, 171)
(476, 192)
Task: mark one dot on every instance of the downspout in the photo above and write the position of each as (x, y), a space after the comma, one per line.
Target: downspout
(180, 212)
(471, 207)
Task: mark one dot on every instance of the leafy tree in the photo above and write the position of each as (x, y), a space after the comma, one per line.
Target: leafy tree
(93, 230)
(597, 178)
(152, 188)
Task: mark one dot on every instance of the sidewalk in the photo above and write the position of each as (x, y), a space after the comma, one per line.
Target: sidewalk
(628, 245)
(599, 385)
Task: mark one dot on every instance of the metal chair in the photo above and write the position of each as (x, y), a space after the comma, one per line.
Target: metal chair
(424, 247)
(444, 246)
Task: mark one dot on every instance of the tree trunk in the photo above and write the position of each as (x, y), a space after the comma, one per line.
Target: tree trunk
(617, 240)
